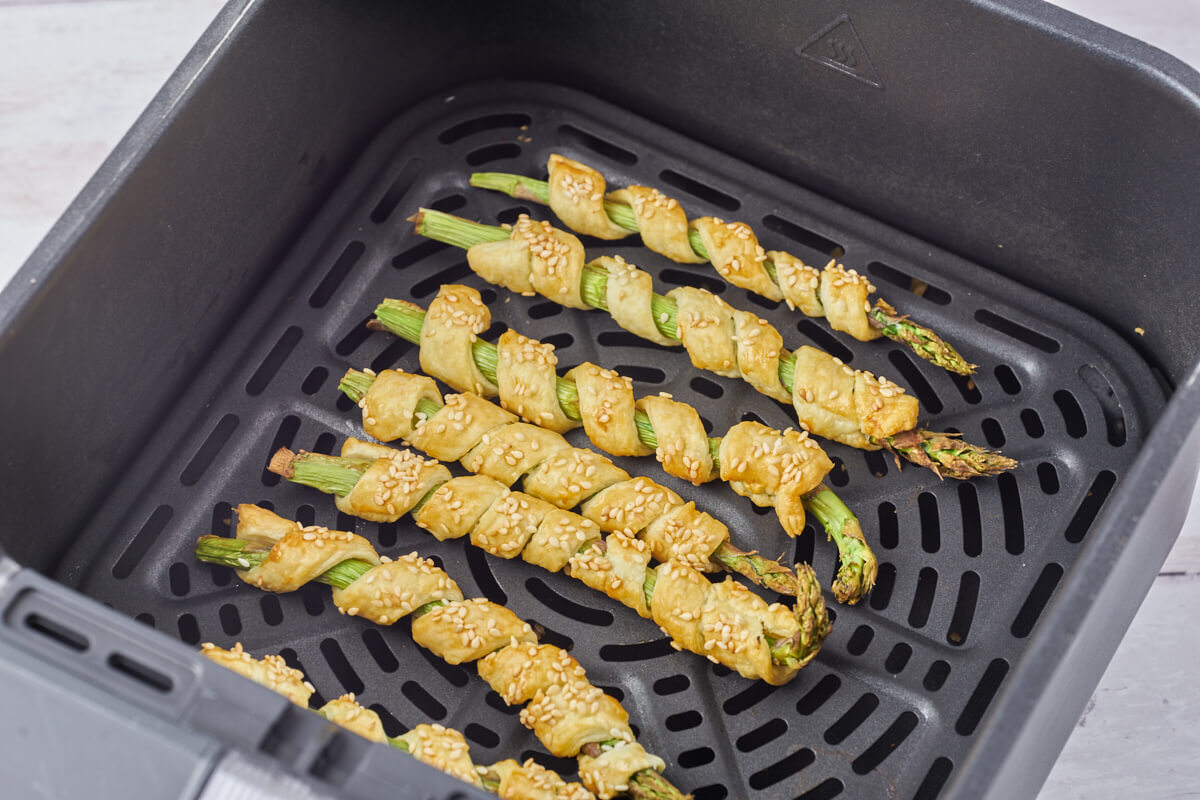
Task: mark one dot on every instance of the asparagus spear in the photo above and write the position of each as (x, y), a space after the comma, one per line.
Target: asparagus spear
(337, 475)
(243, 554)
(857, 573)
(934, 451)
(489, 779)
(858, 568)
(918, 338)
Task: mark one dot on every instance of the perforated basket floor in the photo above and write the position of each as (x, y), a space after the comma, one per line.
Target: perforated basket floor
(892, 702)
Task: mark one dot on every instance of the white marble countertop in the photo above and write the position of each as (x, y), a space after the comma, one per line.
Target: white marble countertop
(74, 75)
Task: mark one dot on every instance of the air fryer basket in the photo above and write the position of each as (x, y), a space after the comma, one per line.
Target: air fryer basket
(902, 684)
(951, 677)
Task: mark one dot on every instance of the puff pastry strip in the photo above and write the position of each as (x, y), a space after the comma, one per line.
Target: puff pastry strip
(558, 473)
(435, 745)
(838, 294)
(762, 642)
(568, 714)
(880, 409)
(605, 401)
(719, 338)
(616, 422)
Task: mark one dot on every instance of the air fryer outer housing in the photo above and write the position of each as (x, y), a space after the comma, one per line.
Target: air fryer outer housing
(1015, 136)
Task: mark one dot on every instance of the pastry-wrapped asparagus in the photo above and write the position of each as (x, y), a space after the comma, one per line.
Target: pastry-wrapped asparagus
(507, 524)
(491, 441)
(436, 745)
(576, 194)
(779, 469)
(831, 400)
(569, 715)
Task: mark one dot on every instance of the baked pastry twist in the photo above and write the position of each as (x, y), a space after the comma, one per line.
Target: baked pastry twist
(767, 642)
(270, 671)
(435, 745)
(491, 441)
(781, 457)
(772, 468)
(780, 469)
(832, 400)
(857, 408)
(839, 294)
(532, 781)
(566, 712)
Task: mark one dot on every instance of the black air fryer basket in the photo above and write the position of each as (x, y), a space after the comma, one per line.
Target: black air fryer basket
(1019, 179)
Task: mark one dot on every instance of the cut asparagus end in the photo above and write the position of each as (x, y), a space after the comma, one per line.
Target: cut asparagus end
(236, 553)
(355, 384)
(282, 462)
(329, 474)
(918, 338)
(857, 564)
(517, 186)
(947, 455)
(763, 571)
(241, 554)
(455, 231)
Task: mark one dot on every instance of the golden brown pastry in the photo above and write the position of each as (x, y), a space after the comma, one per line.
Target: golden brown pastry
(442, 748)
(532, 781)
(452, 322)
(270, 671)
(537, 258)
(347, 713)
(565, 711)
(503, 522)
(627, 296)
(607, 406)
(577, 196)
(836, 293)
(553, 470)
(435, 745)
(661, 222)
(734, 250)
(830, 399)
(527, 381)
(774, 468)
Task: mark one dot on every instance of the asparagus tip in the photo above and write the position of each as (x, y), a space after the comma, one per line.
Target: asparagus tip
(811, 614)
(768, 573)
(854, 581)
(921, 340)
(283, 463)
(948, 455)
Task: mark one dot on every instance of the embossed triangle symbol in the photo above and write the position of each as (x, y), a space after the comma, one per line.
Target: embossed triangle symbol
(839, 46)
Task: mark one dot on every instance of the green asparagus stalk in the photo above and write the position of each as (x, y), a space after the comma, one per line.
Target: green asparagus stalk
(763, 571)
(243, 554)
(337, 475)
(918, 338)
(962, 461)
(489, 779)
(857, 572)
